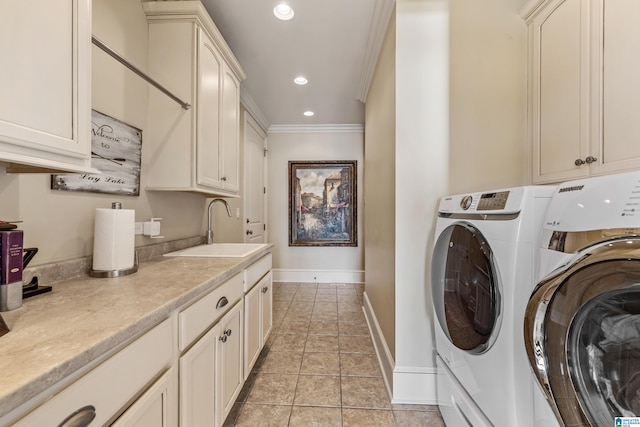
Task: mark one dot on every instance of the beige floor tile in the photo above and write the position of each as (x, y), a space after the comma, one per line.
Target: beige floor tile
(301, 306)
(320, 364)
(322, 343)
(282, 362)
(324, 316)
(297, 316)
(349, 307)
(323, 327)
(356, 344)
(273, 389)
(253, 415)
(325, 307)
(418, 419)
(294, 326)
(311, 416)
(318, 390)
(353, 317)
(351, 328)
(364, 392)
(348, 299)
(367, 418)
(326, 298)
(289, 342)
(320, 335)
(356, 364)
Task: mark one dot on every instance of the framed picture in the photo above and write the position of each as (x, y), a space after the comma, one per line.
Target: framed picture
(323, 203)
(116, 151)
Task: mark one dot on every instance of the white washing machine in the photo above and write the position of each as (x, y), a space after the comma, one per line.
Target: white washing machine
(484, 268)
(582, 324)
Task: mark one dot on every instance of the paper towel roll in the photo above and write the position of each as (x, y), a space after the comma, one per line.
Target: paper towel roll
(114, 239)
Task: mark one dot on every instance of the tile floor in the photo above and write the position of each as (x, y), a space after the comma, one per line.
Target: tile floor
(319, 367)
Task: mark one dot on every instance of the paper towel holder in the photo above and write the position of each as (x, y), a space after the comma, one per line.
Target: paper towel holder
(116, 273)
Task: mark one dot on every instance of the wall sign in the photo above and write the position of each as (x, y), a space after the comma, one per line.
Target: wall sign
(116, 151)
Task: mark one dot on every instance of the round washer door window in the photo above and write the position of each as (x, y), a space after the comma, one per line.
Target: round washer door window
(465, 289)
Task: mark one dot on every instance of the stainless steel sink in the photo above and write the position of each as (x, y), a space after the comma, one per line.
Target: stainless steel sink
(219, 250)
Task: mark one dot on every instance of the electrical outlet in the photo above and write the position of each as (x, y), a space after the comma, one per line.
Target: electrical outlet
(139, 227)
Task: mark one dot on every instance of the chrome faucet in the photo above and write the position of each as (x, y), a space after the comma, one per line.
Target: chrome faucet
(210, 229)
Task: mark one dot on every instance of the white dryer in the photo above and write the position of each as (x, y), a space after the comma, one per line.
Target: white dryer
(582, 324)
(483, 271)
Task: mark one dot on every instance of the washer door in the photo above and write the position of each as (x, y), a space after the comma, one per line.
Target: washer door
(464, 286)
(582, 333)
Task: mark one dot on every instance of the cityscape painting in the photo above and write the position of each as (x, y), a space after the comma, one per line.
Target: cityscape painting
(322, 203)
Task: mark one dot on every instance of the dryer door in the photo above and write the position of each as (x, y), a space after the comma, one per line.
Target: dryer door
(582, 333)
(465, 290)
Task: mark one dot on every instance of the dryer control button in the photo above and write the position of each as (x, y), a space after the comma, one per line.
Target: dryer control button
(465, 203)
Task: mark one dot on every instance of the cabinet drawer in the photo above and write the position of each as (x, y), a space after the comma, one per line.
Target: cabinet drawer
(110, 386)
(256, 271)
(195, 319)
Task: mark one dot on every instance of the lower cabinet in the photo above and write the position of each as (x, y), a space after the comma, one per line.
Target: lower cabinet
(229, 361)
(211, 372)
(258, 320)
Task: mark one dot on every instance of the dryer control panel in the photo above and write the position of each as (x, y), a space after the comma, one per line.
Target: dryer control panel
(493, 201)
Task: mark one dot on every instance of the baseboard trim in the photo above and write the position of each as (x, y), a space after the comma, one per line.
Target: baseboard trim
(318, 276)
(385, 359)
(415, 385)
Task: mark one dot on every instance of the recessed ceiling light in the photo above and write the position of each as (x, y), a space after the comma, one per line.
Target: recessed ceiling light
(308, 113)
(300, 80)
(283, 11)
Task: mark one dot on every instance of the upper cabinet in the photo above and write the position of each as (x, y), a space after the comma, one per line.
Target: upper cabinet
(45, 98)
(196, 149)
(584, 86)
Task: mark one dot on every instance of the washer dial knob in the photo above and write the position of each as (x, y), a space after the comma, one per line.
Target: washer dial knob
(465, 203)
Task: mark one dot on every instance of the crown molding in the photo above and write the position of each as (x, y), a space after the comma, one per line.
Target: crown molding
(382, 12)
(250, 105)
(355, 128)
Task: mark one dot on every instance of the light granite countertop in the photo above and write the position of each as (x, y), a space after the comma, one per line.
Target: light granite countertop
(55, 334)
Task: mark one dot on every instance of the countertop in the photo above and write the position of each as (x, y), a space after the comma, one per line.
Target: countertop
(55, 334)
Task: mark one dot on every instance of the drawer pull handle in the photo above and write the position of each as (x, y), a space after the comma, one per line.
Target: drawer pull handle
(223, 338)
(228, 332)
(222, 302)
(80, 418)
(265, 289)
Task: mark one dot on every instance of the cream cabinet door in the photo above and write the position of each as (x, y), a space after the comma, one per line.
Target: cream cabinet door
(208, 170)
(229, 361)
(616, 89)
(252, 331)
(560, 85)
(45, 102)
(266, 291)
(197, 382)
(230, 142)
(156, 407)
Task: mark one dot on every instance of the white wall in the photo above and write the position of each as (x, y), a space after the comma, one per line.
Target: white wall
(325, 264)
(422, 137)
(61, 223)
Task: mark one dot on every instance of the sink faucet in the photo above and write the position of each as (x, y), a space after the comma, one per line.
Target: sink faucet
(210, 229)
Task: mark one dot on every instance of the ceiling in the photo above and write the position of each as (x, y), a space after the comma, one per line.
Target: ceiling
(333, 43)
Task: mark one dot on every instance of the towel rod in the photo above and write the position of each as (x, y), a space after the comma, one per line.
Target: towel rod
(133, 68)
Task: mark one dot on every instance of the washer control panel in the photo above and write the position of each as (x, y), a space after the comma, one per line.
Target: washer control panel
(493, 201)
